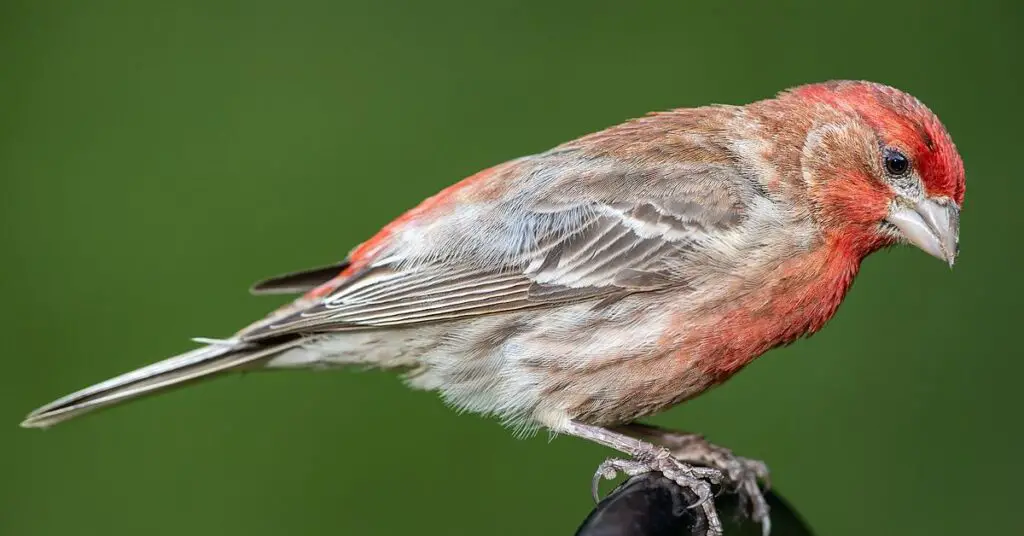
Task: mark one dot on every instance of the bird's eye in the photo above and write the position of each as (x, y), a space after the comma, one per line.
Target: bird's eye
(896, 163)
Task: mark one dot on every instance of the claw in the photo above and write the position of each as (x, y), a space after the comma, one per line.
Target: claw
(595, 483)
(758, 506)
(703, 496)
(609, 469)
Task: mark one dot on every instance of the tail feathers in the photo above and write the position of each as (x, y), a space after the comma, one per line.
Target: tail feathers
(222, 356)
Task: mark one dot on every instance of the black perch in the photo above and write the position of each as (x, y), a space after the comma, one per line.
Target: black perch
(652, 505)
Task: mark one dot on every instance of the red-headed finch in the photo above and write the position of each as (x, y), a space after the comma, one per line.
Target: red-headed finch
(615, 275)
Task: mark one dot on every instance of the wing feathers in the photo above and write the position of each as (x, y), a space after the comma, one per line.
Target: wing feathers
(298, 282)
(530, 253)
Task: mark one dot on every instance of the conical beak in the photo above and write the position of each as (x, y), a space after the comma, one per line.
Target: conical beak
(930, 225)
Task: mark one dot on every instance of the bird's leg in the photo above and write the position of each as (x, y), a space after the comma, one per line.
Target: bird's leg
(647, 457)
(742, 473)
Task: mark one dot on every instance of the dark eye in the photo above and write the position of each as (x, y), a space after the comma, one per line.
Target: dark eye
(896, 163)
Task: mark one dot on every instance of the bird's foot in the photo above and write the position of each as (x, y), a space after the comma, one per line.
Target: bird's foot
(739, 473)
(697, 479)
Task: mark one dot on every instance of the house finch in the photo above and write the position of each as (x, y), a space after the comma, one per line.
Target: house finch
(615, 275)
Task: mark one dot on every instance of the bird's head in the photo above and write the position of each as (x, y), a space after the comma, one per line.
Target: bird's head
(880, 168)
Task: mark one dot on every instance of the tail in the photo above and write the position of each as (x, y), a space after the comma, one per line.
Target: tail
(216, 358)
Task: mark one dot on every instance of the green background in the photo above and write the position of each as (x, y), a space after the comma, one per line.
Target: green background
(156, 158)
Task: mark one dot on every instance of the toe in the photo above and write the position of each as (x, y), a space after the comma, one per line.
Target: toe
(711, 515)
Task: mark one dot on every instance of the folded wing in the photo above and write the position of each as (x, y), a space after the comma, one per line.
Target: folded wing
(580, 237)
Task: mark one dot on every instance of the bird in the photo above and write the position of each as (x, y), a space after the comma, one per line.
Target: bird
(586, 287)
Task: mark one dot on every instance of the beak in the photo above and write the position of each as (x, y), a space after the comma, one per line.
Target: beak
(930, 225)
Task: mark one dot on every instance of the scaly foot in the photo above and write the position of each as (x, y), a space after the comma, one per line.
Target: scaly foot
(742, 473)
(650, 457)
(697, 479)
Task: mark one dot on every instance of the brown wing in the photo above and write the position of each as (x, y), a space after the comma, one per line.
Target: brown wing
(603, 256)
(637, 230)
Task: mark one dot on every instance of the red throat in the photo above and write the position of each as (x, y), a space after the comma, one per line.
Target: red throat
(796, 300)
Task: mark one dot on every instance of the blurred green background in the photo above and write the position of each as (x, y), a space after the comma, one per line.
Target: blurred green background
(158, 157)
